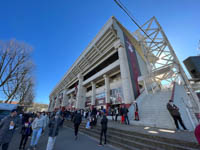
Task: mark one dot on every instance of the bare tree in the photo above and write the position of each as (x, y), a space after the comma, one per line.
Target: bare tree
(26, 94)
(15, 70)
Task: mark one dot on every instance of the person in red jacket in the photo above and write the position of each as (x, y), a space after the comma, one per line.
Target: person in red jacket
(197, 133)
(136, 111)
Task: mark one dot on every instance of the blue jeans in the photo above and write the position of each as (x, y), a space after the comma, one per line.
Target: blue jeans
(36, 136)
(126, 119)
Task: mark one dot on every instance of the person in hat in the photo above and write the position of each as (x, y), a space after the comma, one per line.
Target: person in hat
(7, 128)
(174, 111)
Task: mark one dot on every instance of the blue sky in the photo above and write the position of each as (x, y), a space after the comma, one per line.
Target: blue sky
(60, 30)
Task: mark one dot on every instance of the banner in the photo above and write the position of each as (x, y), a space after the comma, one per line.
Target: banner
(116, 95)
(133, 65)
(100, 99)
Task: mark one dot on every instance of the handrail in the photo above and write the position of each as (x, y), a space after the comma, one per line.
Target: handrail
(173, 90)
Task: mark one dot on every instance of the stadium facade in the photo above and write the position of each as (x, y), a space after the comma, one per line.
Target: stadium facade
(119, 67)
(105, 74)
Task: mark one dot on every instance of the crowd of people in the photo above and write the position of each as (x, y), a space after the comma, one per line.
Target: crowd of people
(33, 125)
(30, 125)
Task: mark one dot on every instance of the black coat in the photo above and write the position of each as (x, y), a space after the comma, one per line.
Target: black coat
(173, 109)
(5, 133)
(54, 126)
(104, 122)
(77, 118)
(125, 111)
(26, 130)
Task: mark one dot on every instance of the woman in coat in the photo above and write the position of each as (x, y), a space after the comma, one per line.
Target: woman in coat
(54, 125)
(37, 126)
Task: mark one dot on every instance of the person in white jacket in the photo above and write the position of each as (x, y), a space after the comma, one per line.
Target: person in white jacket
(46, 119)
(37, 126)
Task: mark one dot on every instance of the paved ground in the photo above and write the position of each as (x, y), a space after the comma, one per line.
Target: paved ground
(65, 141)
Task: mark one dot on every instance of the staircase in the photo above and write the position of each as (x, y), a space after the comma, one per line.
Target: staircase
(131, 140)
(153, 111)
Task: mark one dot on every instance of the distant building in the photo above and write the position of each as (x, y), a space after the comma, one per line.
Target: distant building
(192, 64)
(36, 107)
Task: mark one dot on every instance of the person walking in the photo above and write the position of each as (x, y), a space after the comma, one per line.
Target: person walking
(104, 122)
(122, 114)
(53, 125)
(174, 111)
(116, 113)
(77, 122)
(125, 112)
(46, 119)
(7, 128)
(26, 131)
(112, 113)
(37, 126)
(136, 111)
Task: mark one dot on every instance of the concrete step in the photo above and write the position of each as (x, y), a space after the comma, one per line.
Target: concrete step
(146, 141)
(124, 144)
(138, 140)
(116, 144)
(122, 140)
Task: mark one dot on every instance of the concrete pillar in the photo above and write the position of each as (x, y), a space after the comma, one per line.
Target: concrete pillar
(65, 99)
(107, 89)
(71, 99)
(93, 94)
(125, 74)
(80, 94)
(107, 92)
(50, 104)
(57, 103)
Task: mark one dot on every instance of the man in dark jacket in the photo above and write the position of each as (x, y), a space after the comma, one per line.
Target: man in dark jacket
(174, 111)
(77, 122)
(7, 127)
(54, 124)
(125, 112)
(104, 122)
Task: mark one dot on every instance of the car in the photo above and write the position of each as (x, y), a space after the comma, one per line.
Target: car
(5, 109)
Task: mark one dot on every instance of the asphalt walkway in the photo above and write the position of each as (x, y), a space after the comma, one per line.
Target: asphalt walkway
(64, 141)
